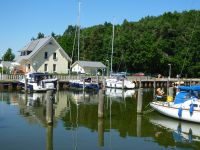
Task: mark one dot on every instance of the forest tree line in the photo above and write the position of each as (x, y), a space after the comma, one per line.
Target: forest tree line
(148, 45)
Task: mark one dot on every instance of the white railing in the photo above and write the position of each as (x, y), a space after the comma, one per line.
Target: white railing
(11, 77)
(60, 77)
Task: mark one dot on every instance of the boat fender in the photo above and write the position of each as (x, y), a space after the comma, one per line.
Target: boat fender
(180, 112)
(191, 109)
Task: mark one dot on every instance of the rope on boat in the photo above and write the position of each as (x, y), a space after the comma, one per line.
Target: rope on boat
(149, 110)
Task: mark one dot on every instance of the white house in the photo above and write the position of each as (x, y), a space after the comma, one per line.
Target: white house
(87, 67)
(43, 55)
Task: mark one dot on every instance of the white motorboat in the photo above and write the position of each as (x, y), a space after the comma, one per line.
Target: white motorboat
(186, 105)
(38, 82)
(119, 83)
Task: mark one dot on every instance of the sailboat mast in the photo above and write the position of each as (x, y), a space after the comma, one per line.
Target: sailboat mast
(113, 33)
(79, 8)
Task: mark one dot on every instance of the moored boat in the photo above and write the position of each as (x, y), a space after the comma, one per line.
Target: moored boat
(119, 82)
(186, 105)
(39, 82)
(84, 83)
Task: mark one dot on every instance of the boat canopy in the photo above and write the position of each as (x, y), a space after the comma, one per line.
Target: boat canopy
(181, 97)
(192, 88)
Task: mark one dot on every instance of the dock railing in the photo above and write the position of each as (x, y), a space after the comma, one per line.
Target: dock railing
(13, 77)
(66, 77)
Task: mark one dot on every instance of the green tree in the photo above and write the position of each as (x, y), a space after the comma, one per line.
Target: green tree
(8, 56)
(40, 35)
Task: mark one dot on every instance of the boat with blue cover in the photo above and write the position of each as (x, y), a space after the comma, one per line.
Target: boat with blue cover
(84, 83)
(186, 105)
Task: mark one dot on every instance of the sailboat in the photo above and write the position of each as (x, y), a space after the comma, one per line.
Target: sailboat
(186, 105)
(117, 80)
(82, 83)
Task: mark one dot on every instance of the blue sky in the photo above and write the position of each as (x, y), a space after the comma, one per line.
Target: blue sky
(20, 20)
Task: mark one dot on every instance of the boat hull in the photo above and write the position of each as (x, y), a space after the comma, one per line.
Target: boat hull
(171, 111)
(119, 84)
(80, 84)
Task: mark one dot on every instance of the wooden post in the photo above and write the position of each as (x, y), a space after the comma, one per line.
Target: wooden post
(49, 107)
(122, 84)
(58, 85)
(83, 84)
(139, 101)
(49, 138)
(171, 91)
(101, 131)
(140, 86)
(104, 84)
(100, 105)
(56, 98)
(168, 86)
(123, 97)
(139, 123)
(154, 87)
(26, 85)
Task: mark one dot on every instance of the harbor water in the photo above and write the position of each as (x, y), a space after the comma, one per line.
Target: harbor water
(24, 122)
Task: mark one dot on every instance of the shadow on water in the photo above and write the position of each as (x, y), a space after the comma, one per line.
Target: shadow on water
(74, 116)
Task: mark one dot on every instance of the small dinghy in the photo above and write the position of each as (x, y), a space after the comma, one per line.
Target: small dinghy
(186, 105)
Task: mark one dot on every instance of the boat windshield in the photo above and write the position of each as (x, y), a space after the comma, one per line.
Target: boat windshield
(39, 76)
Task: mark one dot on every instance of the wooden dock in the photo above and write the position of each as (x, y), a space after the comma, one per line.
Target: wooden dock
(11, 82)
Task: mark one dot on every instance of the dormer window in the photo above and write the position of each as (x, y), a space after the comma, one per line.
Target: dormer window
(54, 55)
(45, 55)
(28, 52)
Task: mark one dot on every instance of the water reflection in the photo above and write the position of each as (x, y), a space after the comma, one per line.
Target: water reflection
(181, 131)
(76, 124)
(119, 93)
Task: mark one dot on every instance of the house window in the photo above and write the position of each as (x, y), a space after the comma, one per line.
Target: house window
(45, 67)
(54, 55)
(54, 67)
(29, 66)
(45, 55)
